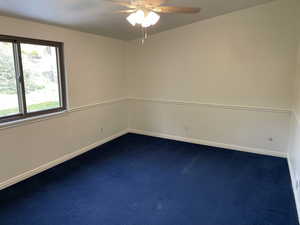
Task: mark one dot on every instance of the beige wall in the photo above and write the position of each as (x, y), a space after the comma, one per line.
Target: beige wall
(296, 105)
(246, 58)
(95, 73)
(243, 58)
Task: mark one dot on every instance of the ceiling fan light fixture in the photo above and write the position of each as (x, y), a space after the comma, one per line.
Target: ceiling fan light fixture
(142, 18)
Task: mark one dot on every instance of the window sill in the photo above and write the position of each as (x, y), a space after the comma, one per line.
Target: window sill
(33, 119)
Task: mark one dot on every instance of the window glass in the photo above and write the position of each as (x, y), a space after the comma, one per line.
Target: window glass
(40, 77)
(9, 104)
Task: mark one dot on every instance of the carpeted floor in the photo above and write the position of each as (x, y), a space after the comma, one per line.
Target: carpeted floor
(140, 180)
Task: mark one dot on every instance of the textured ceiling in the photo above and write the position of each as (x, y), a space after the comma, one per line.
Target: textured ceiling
(96, 16)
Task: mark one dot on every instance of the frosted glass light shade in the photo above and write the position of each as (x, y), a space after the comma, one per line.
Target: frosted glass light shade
(139, 16)
(152, 18)
(131, 19)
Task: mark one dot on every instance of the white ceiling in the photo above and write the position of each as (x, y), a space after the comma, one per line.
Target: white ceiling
(96, 16)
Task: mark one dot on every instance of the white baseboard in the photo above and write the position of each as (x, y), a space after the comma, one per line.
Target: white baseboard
(60, 160)
(297, 198)
(210, 143)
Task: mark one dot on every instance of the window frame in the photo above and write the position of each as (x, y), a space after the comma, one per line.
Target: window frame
(16, 44)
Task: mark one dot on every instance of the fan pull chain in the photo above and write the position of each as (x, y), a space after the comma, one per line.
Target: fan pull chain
(145, 35)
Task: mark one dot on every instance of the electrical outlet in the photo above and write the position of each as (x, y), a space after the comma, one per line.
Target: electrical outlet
(270, 139)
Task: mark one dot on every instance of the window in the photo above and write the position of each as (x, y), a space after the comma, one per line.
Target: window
(32, 78)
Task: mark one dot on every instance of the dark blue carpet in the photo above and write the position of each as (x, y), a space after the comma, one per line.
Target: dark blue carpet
(139, 180)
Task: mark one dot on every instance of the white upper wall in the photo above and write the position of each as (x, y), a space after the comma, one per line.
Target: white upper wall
(243, 58)
(94, 64)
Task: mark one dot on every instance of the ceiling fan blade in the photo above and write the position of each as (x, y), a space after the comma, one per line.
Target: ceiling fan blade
(155, 2)
(123, 3)
(174, 9)
(125, 11)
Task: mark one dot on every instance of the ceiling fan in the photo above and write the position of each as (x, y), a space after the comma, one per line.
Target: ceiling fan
(145, 13)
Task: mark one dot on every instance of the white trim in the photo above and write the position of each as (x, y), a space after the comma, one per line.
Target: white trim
(60, 160)
(40, 118)
(211, 143)
(30, 120)
(108, 102)
(232, 107)
(297, 198)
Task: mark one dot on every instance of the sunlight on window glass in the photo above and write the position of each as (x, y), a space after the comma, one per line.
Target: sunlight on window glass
(40, 77)
(8, 88)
